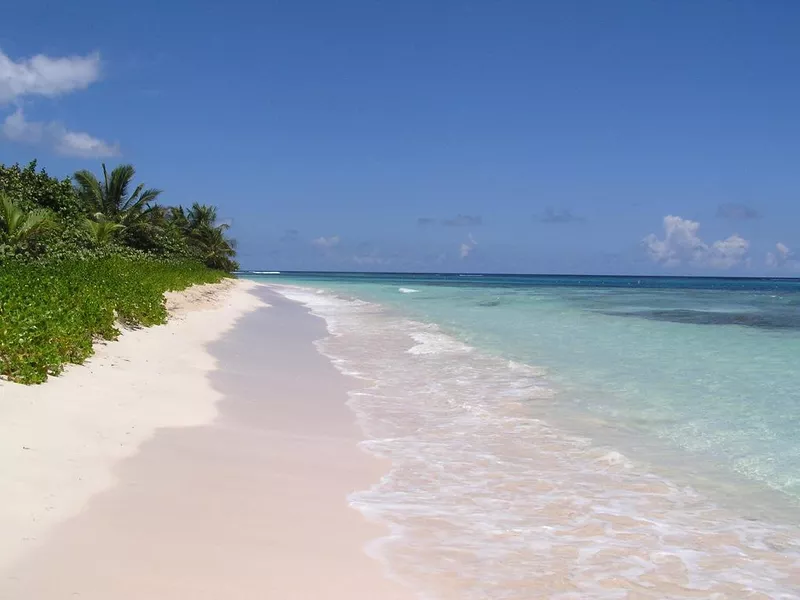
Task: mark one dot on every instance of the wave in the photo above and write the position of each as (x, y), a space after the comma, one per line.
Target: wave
(433, 342)
(486, 499)
(404, 290)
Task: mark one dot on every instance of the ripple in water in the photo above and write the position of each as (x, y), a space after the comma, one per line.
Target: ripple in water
(487, 502)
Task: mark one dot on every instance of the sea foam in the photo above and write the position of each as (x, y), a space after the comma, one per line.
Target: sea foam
(486, 499)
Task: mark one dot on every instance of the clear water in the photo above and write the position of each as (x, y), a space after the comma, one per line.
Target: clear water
(577, 437)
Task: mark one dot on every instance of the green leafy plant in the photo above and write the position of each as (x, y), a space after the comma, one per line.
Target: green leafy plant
(101, 230)
(30, 188)
(18, 226)
(50, 314)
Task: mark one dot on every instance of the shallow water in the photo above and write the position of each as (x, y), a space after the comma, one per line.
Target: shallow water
(573, 441)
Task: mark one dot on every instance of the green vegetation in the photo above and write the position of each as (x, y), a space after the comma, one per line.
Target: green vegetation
(75, 259)
(19, 227)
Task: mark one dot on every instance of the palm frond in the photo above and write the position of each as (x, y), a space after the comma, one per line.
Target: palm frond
(126, 203)
(117, 190)
(150, 195)
(89, 190)
(18, 225)
(36, 221)
(101, 230)
(202, 215)
(140, 203)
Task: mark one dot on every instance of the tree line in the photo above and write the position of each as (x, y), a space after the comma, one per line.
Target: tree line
(44, 218)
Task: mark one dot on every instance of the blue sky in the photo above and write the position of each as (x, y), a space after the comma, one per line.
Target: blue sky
(515, 136)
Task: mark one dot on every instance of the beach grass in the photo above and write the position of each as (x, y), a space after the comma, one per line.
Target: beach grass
(51, 314)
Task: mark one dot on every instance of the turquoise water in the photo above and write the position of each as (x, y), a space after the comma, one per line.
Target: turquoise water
(686, 388)
(711, 366)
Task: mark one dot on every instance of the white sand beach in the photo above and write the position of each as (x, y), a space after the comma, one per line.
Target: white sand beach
(207, 458)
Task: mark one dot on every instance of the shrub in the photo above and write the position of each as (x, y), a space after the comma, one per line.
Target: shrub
(52, 311)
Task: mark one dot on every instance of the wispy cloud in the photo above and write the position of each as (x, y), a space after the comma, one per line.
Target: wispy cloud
(463, 221)
(289, 235)
(737, 212)
(564, 215)
(467, 247)
(782, 257)
(457, 221)
(326, 242)
(43, 75)
(55, 136)
(681, 245)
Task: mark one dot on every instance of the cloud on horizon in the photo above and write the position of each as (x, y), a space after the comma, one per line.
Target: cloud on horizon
(467, 247)
(681, 245)
(737, 212)
(457, 221)
(326, 242)
(558, 216)
(463, 221)
(781, 257)
(53, 135)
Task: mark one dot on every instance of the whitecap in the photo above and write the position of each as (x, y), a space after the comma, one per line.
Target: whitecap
(436, 343)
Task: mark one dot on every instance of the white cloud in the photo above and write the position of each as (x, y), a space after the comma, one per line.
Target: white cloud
(78, 143)
(728, 253)
(45, 76)
(326, 242)
(782, 257)
(467, 246)
(682, 245)
(55, 136)
(17, 129)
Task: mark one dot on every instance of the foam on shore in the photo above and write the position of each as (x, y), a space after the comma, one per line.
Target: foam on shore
(486, 499)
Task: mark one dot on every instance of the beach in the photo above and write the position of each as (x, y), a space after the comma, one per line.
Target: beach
(210, 457)
(344, 438)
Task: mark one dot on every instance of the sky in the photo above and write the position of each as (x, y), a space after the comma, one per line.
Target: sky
(614, 137)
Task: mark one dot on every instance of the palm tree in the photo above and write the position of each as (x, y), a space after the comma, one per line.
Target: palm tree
(202, 215)
(18, 226)
(216, 250)
(177, 219)
(209, 240)
(101, 230)
(111, 198)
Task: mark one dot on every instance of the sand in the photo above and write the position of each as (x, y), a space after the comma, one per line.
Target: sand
(207, 458)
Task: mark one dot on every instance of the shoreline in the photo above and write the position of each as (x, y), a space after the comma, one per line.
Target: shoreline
(233, 493)
(752, 499)
(480, 471)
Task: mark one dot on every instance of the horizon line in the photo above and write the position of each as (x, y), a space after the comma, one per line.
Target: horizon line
(500, 274)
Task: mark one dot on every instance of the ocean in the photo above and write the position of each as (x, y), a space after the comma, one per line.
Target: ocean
(575, 437)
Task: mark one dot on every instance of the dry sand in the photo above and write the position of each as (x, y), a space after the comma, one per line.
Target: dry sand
(174, 466)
